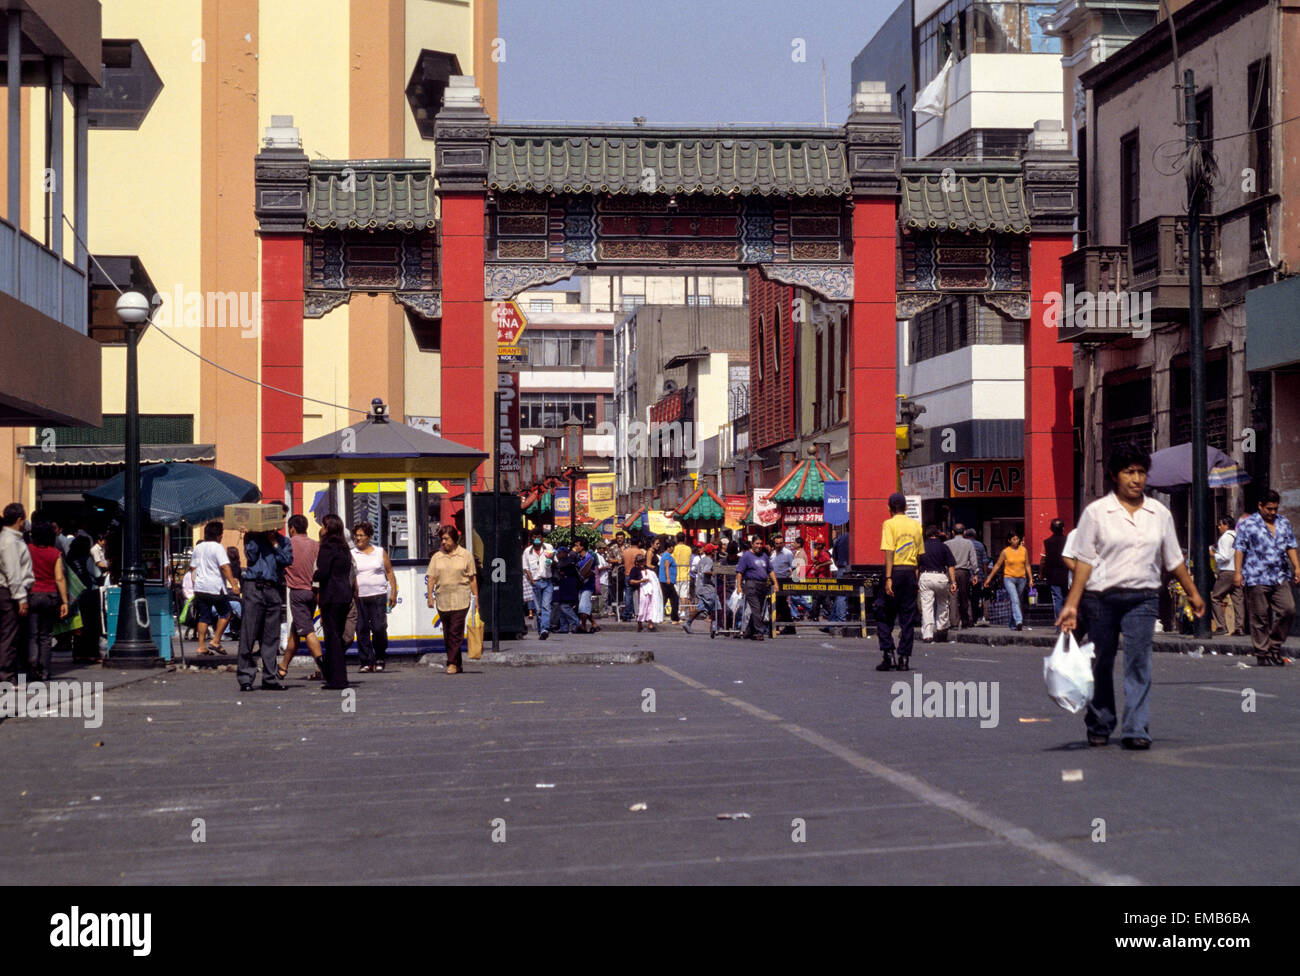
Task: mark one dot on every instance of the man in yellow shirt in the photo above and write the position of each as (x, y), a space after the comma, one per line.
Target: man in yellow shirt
(682, 554)
(901, 541)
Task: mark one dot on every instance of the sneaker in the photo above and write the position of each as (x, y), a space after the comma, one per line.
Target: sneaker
(1020, 626)
(545, 634)
(686, 626)
(1136, 743)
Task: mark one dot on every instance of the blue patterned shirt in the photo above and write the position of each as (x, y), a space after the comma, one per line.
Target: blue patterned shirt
(1264, 562)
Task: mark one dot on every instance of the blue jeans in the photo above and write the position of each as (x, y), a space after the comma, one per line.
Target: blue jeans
(1133, 614)
(1058, 599)
(567, 622)
(542, 595)
(1015, 587)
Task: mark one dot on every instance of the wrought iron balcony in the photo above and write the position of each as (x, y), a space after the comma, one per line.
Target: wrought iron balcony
(1158, 263)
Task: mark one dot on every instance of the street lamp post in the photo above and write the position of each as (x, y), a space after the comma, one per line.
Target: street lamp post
(573, 461)
(133, 646)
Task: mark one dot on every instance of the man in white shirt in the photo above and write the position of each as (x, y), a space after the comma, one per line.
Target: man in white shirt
(16, 579)
(538, 559)
(1224, 586)
(213, 582)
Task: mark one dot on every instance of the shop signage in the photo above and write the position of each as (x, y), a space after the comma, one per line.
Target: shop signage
(927, 481)
(986, 479)
(802, 513)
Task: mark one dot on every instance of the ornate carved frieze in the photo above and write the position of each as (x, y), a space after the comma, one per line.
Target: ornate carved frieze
(315, 304)
(280, 186)
(502, 281)
(1010, 303)
(875, 152)
(911, 303)
(1051, 189)
(834, 282)
(425, 303)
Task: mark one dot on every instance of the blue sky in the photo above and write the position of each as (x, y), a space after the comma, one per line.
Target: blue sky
(676, 61)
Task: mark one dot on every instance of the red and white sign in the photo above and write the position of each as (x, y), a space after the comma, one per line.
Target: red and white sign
(765, 512)
(510, 322)
(987, 479)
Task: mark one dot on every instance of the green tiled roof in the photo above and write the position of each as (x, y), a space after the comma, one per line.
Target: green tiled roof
(805, 485)
(701, 506)
(375, 194)
(771, 162)
(935, 201)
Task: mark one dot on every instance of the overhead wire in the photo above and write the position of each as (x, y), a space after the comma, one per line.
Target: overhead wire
(198, 355)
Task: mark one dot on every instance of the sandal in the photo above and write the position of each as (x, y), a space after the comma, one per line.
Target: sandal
(281, 673)
(315, 675)
(208, 652)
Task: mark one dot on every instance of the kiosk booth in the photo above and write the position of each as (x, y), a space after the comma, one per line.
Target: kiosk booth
(392, 475)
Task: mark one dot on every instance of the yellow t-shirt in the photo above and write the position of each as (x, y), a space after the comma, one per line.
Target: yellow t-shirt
(682, 557)
(901, 535)
(1017, 562)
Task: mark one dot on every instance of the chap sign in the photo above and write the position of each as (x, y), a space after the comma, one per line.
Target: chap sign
(986, 479)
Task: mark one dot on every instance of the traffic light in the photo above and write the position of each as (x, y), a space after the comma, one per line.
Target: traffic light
(908, 434)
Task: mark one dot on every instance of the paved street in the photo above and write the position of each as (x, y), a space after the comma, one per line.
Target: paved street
(293, 789)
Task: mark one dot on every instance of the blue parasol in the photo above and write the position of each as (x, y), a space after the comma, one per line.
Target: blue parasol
(179, 492)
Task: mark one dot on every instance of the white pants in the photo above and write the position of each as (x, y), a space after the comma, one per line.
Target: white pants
(933, 592)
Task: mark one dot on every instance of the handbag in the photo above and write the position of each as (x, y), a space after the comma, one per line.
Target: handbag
(73, 620)
(474, 632)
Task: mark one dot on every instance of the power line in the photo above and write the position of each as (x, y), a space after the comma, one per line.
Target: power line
(202, 358)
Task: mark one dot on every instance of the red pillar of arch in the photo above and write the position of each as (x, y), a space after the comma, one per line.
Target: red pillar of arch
(281, 342)
(464, 365)
(873, 465)
(1049, 382)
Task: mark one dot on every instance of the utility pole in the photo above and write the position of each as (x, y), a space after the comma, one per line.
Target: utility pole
(1199, 543)
(496, 515)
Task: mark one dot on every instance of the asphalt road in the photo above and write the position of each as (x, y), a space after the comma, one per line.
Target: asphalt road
(508, 775)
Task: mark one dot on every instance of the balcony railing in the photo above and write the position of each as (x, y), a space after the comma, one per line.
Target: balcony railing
(1158, 262)
(1098, 269)
(44, 281)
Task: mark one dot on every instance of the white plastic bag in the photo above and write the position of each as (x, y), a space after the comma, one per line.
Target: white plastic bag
(1068, 673)
(735, 601)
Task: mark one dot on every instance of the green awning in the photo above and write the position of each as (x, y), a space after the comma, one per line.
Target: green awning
(700, 507)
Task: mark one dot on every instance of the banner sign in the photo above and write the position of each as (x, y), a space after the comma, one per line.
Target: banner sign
(986, 479)
(835, 508)
(561, 504)
(510, 322)
(733, 511)
(600, 488)
(914, 507)
(663, 523)
(765, 512)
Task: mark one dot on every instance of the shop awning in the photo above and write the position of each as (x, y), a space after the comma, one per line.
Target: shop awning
(634, 518)
(35, 456)
(804, 485)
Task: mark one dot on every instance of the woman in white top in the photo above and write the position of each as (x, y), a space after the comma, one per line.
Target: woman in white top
(1124, 541)
(376, 595)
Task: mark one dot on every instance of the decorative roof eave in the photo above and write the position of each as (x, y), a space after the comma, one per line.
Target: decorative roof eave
(962, 202)
(631, 520)
(371, 194)
(710, 162)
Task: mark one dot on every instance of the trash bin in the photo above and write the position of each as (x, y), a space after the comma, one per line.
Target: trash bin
(161, 622)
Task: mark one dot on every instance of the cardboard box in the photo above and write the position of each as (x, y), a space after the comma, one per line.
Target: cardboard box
(254, 518)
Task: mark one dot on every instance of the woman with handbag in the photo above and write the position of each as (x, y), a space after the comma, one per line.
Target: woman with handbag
(85, 640)
(48, 601)
(1016, 575)
(334, 576)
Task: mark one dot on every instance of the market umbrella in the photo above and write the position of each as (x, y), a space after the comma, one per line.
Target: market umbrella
(1171, 468)
(179, 492)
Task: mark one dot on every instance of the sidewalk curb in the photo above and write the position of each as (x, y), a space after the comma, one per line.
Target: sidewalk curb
(530, 659)
(1163, 643)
